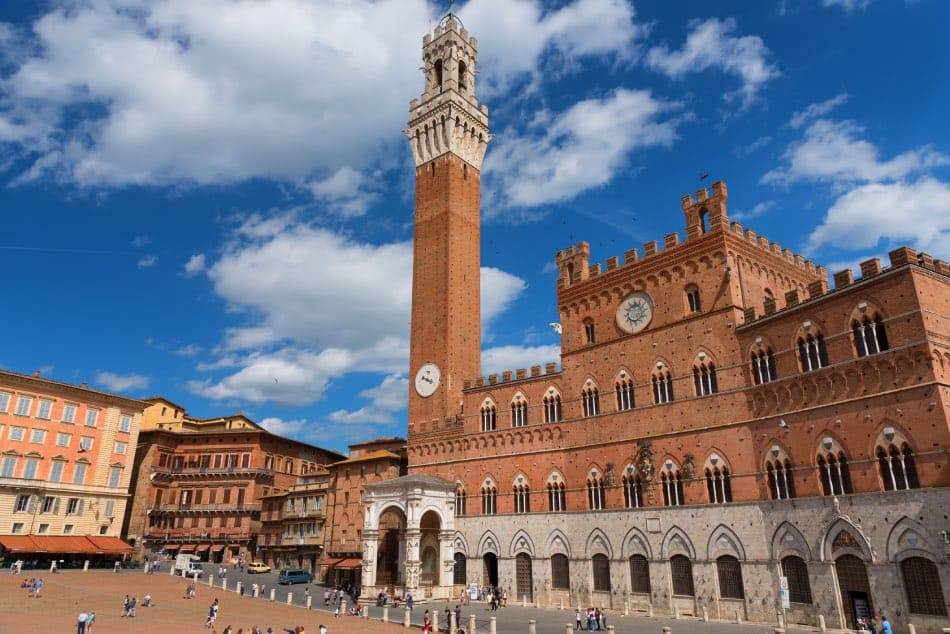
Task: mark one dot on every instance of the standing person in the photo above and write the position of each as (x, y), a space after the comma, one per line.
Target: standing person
(81, 623)
(326, 598)
(426, 626)
(90, 621)
(125, 606)
(448, 618)
(458, 616)
(603, 619)
(577, 619)
(886, 626)
(132, 607)
(323, 629)
(409, 601)
(37, 587)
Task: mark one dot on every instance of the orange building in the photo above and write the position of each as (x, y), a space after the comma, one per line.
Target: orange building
(198, 483)
(721, 425)
(67, 454)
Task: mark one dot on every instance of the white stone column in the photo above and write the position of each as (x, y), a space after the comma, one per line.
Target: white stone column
(370, 549)
(446, 557)
(413, 536)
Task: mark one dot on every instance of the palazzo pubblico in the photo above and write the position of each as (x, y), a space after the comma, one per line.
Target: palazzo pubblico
(722, 421)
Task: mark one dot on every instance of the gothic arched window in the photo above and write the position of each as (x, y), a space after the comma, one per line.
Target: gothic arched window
(662, 386)
(632, 489)
(552, 407)
(778, 467)
(556, 494)
(595, 491)
(704, 378)
(624, 390)
(519, 411)
(897, 467)
(833, 469)
(591, 399)
(672, 483)
(763, 366)
(869, 334)
(489, 498)
(489, 416)
(812, 352)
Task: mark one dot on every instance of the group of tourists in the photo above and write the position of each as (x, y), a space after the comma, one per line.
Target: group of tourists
(85, 622)
(594, 620)
(33, 586)
(881, 626)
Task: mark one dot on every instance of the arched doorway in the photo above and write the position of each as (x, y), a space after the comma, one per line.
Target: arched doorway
(855, 589)
(458, 573)
(490, 573)
(429, 527)
(392, 528)
(523, 580)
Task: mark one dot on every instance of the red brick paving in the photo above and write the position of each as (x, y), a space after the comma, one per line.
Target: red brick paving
(66, 594)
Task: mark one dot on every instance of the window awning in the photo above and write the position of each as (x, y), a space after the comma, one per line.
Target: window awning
(18, 543)
(203, 547)
(348, 564)
(65, 544)
(217, 548)
(330, 562)
(187, 548)
(168, 547)
(111, 545)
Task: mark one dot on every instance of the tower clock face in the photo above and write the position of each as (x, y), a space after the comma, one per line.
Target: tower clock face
(635, 312)
(427, 379)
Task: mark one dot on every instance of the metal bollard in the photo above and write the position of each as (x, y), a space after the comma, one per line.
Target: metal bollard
(385, 614)
(532, 627)
(407, 620)
(309, 602)
(273, 594)
(471, 623)
(821, 623)
(492, 626)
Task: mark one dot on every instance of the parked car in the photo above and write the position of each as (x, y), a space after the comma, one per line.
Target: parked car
(258, 566)
(295, 576)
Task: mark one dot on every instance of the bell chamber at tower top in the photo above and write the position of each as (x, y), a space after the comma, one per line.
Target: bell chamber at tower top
(447, 118)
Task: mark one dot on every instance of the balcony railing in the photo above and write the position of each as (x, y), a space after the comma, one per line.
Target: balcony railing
(196, 471)
(196, 534)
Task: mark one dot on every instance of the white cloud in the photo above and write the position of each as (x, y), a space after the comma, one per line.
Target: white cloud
(759, 209)
(513, 36)
(833, 151)
(847, 5)
(195, 264)
(890, 212)
(319, 306)
(503, 358)
(817, 110)
(286, 428)
(140, 241)
(176, 91)
(712, 44)
(578, 149)
(346, 191)
(121, 382)
(147, 261)
(190, 350)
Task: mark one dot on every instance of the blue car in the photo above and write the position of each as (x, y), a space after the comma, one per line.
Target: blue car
(294, 576)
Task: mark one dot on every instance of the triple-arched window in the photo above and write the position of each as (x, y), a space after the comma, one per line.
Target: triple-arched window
(595, 490)
(662, 385)
(624, 390)
(552, 407)
(833, 469)
(672, 483)
(489, 417)
(522, 495)
(489, 498)
(704, 378)
(556, 494)
(591, 399)
(870, 336)
(519, 411)
(781, 479)
(632, 489)
(897, 467)
(718, 482)
(812, 352)
(763, 366)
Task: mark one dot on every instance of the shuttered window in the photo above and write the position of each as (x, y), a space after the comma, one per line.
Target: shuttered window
(560, 572)
(922, 582)
(799, 588)
(639, 574)
(682, 572)
(601, 573)
(730, 577)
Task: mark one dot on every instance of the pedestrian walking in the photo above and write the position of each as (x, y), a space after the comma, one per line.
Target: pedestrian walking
(81, 623)
(409, 600)
(426, 625)
(132, 607)
(458, 616)
(577, 619)
(116, 567)
(326, 599)
(886, 626)
(603, 619)
(90, 621)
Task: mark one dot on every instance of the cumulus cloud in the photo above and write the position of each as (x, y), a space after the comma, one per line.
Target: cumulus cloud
(759, 209)
(345, 191)
(887, 213)
(712, 44)
(119, 92)
(388, 397)
(513, 357)
(195, 264)
(281, 427)
(834, 151)
(319, 305)
(121, 382)
(147, 261)
(847, 5)
(189, 350)
(578, 149)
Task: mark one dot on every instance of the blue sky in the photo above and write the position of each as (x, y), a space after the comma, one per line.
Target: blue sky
(212, 201)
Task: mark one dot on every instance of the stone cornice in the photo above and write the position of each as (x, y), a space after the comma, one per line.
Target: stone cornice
(40, 385)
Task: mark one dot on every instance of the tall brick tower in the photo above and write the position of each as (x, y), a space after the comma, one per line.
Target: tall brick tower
(448, 133)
